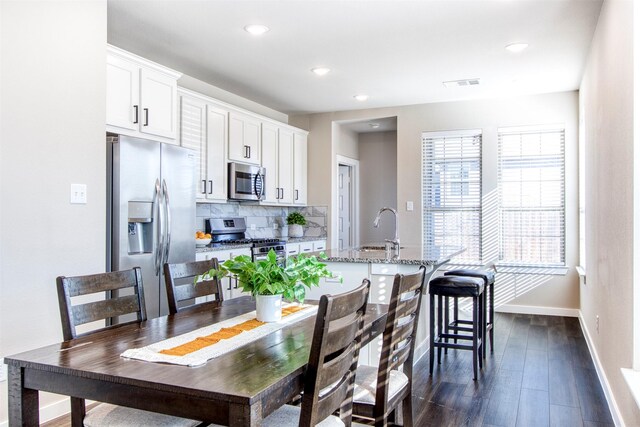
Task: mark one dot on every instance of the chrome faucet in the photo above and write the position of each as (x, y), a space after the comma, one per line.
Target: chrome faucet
(396, 241)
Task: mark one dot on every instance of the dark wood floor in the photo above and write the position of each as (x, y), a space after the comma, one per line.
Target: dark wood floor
(540, 374)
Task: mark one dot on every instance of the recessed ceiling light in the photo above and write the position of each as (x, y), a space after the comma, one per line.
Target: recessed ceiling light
(320, 71)
(361, 97)
(256, 29)
(374, 125)
(516, 47)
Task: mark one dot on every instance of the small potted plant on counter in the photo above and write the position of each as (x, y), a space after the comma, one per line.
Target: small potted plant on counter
(269, 281)
(295, 220)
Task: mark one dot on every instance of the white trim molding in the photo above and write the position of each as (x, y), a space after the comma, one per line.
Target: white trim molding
(534, 309)
(604, 382)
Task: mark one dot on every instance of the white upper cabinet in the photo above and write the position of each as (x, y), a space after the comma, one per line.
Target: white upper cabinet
(277, 159)
(141, 97)
(244, 138)
(300, 168)
(203, 128)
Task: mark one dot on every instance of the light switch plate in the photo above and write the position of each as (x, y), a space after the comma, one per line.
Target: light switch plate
(78, 194)
(409, 206)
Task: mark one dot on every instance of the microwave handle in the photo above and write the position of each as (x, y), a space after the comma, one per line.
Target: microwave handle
(259, 178)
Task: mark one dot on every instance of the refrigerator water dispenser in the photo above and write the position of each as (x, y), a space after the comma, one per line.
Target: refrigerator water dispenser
(140, 227)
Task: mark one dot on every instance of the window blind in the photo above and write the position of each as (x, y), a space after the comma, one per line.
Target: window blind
(531, 188)
(451, 192)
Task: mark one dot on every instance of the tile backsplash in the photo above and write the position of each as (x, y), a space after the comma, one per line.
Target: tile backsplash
(264, 217)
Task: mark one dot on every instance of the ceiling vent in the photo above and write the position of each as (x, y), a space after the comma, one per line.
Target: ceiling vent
(460, 83)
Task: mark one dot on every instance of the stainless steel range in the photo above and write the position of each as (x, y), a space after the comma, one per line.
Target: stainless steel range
(231, 231)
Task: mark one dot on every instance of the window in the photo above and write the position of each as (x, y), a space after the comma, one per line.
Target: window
(451, 187)
(531, 196)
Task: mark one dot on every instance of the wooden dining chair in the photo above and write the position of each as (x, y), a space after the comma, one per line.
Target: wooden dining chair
(73, 315)
(180, 287)
(379, 390)
(328, 380)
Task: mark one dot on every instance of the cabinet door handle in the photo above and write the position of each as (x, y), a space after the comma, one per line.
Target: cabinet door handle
(135, 121)
(210, 186)
(246, 151)
(204, 186)
(277, 193)
(249, 147)
(146, 117)
(296, 194)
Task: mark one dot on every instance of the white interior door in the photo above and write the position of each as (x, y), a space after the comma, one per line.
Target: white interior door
(344, 207)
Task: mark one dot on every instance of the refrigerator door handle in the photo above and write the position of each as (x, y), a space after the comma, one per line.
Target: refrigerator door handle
(159, 219)
(167, 219)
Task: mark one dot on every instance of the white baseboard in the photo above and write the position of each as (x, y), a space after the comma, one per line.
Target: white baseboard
(604, 382)
(51, 411)
(534, 309)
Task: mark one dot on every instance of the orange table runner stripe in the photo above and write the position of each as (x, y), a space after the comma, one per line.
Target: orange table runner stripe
(224, 333)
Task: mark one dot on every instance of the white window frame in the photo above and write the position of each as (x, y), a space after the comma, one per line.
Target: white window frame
(455, 134)
(561, 265)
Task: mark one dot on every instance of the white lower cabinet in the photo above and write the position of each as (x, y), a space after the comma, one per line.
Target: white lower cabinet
(230, 286)
(306, 247)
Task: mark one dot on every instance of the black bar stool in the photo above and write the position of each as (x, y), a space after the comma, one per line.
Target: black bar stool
(489, 278)
(456, 287)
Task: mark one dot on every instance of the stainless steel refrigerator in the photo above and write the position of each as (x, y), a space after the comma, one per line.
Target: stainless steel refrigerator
(151, 214)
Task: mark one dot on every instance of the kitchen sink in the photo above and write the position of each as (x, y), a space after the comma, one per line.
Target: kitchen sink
(372, 248)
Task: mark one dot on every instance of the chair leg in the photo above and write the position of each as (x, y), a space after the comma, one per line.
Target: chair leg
(432, 332)
(475, 338)
(481, 329)
(483, 324)
(439, 327)
(407, 411)
(455, 319)
(491, 315)
(446, 321)
(78, 411)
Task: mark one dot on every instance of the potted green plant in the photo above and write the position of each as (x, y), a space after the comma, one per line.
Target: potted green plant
(295, 220)
(269, 281)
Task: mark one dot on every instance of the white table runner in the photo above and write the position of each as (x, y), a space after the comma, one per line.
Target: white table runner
(151, 353)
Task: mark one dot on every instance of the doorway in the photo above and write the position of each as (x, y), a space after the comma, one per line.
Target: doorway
(347, 205)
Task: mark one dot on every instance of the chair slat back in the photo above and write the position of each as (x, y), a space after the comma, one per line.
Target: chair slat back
(333, 360)
(180, 287)
(399, 335)
(74, 315)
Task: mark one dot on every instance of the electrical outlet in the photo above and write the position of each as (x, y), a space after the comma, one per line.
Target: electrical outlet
(3, 370)
(409, 206)
(275, 225)
(597, 324)
(253, 226)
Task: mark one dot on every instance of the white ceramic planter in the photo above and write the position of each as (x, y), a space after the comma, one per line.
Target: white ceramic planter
(269, 308)
(295, 230)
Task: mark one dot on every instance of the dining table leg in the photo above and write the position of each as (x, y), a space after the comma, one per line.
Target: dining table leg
(23, 402)
(244, 415)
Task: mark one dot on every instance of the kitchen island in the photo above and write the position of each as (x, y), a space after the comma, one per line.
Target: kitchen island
(380, 266)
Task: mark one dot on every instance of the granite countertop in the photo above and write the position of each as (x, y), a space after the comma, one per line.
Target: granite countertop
(409, 255)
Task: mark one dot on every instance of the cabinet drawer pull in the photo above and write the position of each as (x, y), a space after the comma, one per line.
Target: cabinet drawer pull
(146, 117)
(135, 121)
(210, 186)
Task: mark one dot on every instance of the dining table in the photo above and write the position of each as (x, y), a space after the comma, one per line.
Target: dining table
(239, 388)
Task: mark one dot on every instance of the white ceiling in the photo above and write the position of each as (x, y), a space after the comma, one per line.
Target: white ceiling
(397, 52)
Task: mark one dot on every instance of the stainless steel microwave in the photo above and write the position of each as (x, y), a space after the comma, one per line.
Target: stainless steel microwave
(246, 182)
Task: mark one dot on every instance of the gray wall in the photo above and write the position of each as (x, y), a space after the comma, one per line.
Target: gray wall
(52, 80)
(607, 110)
(378, 184)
